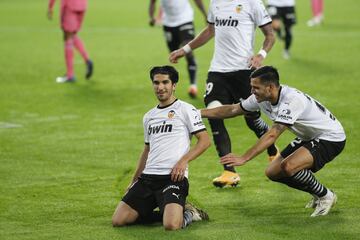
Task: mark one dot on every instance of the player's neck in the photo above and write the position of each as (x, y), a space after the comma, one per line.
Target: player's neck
(275, 96)
(167, 102)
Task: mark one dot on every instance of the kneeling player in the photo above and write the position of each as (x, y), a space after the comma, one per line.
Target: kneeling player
(161, 176)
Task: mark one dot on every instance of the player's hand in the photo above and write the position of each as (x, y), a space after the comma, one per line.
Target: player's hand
(232, 160)
(256, 61)
(178, 171)
(175, 55)
(152, 22)
(50, 14)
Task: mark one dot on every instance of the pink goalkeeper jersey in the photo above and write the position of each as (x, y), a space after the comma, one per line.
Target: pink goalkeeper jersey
(74, 5)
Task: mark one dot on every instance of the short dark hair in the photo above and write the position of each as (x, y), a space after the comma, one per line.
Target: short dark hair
(165, 70)
(267, 74)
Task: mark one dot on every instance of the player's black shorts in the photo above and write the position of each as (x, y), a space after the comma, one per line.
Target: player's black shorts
(286, 14)
(152, 191)
(179, 36)
(228, 87)
(322, 151)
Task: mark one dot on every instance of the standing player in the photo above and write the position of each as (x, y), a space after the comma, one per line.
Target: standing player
(233, 24)
(317, 7)
(283, 11)
(320, 136)
(178, 26)
(161, 176)
(72, 13)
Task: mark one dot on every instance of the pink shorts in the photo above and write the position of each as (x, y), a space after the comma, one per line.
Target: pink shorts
(71, 20)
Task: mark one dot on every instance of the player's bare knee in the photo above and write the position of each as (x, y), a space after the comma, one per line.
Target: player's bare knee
(270, 174)
(286, 168)
(122, 218)
(117, 222)
(276, 25)
(172, 225)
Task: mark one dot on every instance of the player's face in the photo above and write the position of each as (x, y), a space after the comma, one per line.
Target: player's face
(163, 87)
(261, 91)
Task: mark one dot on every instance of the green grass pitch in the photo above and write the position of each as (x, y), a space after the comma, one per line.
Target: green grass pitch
(67, 152)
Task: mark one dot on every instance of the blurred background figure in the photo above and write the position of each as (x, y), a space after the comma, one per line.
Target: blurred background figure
(283, 15)
(72, 13)
(317, 7)
(159, 16)
(177, 20)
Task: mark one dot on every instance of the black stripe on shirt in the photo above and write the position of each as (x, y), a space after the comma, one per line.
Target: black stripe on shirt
(200, 130)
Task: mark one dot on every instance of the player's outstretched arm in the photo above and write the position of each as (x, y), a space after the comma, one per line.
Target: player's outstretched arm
(225, 111)
(204, 36)
(203, 143)
(262, 144)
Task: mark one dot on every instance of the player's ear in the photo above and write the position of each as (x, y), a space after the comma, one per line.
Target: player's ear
(272, 86)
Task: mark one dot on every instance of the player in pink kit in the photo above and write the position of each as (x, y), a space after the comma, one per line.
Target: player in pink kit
(71, 15)
(317, 7)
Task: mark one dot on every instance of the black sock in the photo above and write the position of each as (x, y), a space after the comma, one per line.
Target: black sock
(278, 33)
(192, 68)
(221, 139)
(288, 38)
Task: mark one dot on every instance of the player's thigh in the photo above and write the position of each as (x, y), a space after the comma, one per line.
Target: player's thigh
(186, 33)
(240, 85)
(141, 198)
(172, 39)
(276, 23)
(300, 159)
(289, 164)
(71, 21)
(171, 199)
(124, 215)
(274, 170)
(80, 19)
(218, 89)
(173, 216)
(274, 14)
(323, 152)
(172, 192)
(289, 17)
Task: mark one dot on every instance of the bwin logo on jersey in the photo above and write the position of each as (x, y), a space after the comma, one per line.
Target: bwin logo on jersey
(163, 128)
(226, 22)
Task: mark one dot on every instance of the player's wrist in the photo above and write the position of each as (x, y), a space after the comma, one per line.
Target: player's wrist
(187, 49)
(263, 53)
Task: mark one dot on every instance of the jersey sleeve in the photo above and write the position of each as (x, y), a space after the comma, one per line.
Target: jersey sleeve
(250, 104)
(210, 16)
(192, 119)
(146, 135)
(260, 15)
(290, 111)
